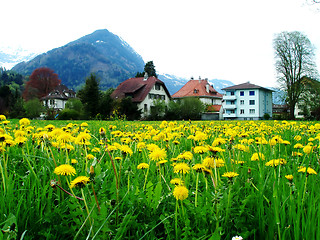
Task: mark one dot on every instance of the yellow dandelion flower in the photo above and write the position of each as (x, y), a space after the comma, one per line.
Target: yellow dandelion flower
(102, 131)
(125, 149)
(298, 145)
(161, 162)
(289, 177)
(276, 162)
(210, 162)
(141, 145)
(181, 168)
(215, 149)
(90, 156)
(151, 147)
(198, 167)
(80, 181)
(297, 154)
(309, 170)
(307, 149)
(257, 157)
(65, 169)
(158, 154)
(3, 118)
(297, 138)
(74, 161)
(176, 181)
(200, 149)
(230, 175)
(200, 136)
(143, 166)
(180, 192)
(24, 122)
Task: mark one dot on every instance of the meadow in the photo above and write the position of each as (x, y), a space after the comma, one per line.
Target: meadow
(159, 180)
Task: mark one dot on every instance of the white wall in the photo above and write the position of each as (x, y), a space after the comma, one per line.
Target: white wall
(149, 101)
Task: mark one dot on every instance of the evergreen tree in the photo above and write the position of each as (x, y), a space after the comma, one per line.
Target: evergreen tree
(148, 68)
(90, 96)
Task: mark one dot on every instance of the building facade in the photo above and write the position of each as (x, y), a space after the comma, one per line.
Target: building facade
(247, 102)
(205, 92)
(144, 91)
(57, 98)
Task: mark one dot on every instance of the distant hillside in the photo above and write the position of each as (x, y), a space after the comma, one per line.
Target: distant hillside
(174, 83)
(101, 52)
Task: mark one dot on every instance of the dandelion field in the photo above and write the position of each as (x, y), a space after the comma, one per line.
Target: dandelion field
(159, 180)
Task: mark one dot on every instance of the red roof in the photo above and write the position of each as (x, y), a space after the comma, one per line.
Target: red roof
(197, 88)
(137, 88)
(215, 108)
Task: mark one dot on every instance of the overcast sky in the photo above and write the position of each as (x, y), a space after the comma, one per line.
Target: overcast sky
(230, 40)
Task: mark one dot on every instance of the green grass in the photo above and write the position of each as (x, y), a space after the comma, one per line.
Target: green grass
(259, 203)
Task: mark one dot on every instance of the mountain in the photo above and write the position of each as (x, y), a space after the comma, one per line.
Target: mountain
(174, 83)
(100, 52)
(9, 57)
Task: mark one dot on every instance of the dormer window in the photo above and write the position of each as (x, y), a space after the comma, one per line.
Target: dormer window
(195, 90)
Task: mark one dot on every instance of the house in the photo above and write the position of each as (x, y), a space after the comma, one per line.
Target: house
(207, 95)
(247, 101)
(57, 98)
(143, 91)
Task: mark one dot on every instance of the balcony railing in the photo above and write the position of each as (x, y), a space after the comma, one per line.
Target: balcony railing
(229, 106)
(229, 115)
(229, 97)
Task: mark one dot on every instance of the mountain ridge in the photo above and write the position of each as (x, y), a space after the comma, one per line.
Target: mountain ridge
(100, 52)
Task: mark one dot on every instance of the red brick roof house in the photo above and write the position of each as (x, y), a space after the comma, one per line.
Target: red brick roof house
(143, 91)
(205, 92)
(57, 98)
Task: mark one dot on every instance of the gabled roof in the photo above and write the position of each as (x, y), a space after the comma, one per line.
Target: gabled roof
(60, 92)
(246, 85)
(137, 88)
(197, 88)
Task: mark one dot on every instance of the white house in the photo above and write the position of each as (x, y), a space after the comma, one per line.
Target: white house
(247, 101)
(207, 95)
(57, 98)
(143, 90)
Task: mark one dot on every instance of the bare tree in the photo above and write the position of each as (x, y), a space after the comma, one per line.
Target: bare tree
(294, 56)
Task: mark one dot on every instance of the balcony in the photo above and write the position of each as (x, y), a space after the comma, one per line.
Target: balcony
(229, 115)
(229, 106)
(229, 97)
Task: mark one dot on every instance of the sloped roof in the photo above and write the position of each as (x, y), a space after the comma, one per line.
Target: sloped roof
(246, 85)
(137, 88)
(59, 93)
(197, 88)
(216, 108)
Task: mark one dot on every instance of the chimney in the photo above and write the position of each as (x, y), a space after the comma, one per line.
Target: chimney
(145, 76)
(207, 87)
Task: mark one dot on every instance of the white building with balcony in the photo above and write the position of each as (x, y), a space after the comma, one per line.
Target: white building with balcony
(246, 101)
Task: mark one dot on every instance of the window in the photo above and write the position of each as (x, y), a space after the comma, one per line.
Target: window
(157, 87)
(241, 111)
(251, 93)
(52, 102)
(251, 102)
(232, 93)
(241, 93)
(145, 108)
(241, 102)
(252, 111)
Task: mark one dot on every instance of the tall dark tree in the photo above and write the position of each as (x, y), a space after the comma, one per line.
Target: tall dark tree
(294, 56)
(42, 82)
(90, 96)
(149, 68)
